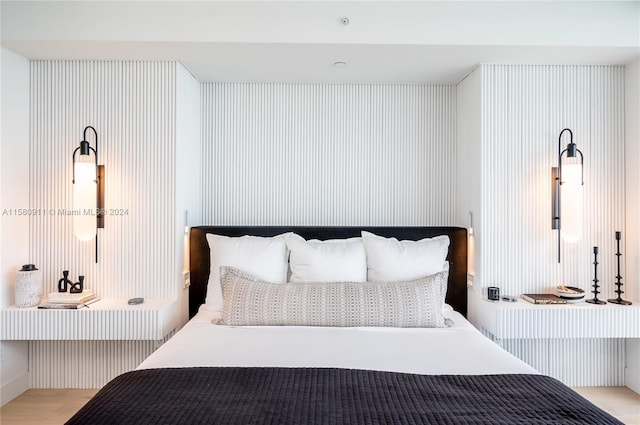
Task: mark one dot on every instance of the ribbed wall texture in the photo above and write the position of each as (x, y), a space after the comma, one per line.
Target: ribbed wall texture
(132, 107)
(91, 364)
(549, 356)
(575, 362)
(524, 108)
(323, 154)
(328, 154)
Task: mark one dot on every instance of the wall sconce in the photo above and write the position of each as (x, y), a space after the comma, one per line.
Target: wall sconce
(568, 182)
(88, 191)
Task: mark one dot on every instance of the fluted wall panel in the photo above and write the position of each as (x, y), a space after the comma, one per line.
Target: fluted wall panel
(328, 154)
(524, 109)
(131, 105)
(325, 154)
(576, 362)
(94, 362)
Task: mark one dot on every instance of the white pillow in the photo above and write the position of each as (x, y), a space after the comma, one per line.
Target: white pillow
(389, 259)
(265, 258)
(335, 260)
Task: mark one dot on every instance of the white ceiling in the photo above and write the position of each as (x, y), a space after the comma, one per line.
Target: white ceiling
(298, 41)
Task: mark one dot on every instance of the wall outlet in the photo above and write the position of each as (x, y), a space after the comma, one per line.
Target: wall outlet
(186, 276)
(470, 278)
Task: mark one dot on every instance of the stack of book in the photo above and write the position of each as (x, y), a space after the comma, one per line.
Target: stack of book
(67, 300)
(544, 299)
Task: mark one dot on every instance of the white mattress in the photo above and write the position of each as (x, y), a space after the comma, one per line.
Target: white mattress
(459, 349)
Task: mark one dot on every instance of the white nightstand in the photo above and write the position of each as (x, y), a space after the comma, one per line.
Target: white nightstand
(108, 319)
(523, 320)
(579, 344)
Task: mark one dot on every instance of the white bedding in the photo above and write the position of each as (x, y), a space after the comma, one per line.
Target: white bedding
(459, 349)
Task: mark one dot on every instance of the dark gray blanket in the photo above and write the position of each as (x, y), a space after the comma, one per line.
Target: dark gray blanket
(333, 396)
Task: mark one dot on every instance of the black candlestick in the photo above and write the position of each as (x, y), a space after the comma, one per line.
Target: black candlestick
(76, 288)
(595, 291)
(64, 282)
(619, 283)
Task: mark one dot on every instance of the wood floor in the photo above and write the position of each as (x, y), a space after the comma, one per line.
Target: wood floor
(620, 402)
(44, 407)
(49, 407)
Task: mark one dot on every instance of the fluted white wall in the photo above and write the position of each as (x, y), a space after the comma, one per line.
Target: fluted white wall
(523, 109)
(131, 105)
(328, 154)
(91, 363)
(576, 362)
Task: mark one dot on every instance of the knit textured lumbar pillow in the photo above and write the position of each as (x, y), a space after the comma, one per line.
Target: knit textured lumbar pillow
(249, 301)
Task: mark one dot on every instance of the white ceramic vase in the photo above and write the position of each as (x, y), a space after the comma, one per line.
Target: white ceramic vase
(28, 286)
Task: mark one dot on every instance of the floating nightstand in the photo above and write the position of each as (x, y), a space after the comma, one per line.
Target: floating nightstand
(108, 319)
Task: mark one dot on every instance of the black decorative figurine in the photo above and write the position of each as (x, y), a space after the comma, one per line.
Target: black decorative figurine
(619, 283)
(64, 282)
(76, 288)
(595, 291)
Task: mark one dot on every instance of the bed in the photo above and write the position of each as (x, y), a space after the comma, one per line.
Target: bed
(219, 372)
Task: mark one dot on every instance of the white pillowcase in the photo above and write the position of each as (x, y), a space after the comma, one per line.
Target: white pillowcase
(389, 259)
(335, 260)
(265, 258)
(248, 301)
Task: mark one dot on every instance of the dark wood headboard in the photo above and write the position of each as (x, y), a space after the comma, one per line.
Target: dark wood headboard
(200, 264)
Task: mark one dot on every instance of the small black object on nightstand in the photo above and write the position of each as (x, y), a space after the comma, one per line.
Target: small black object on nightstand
(135, 301)
(619, 283)
(595, 291)
(493, 293)
(64, 282)
(76, 288)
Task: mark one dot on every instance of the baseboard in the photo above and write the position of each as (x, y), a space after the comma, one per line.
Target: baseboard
(14, 388)
(632, 369)
(632, 383)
